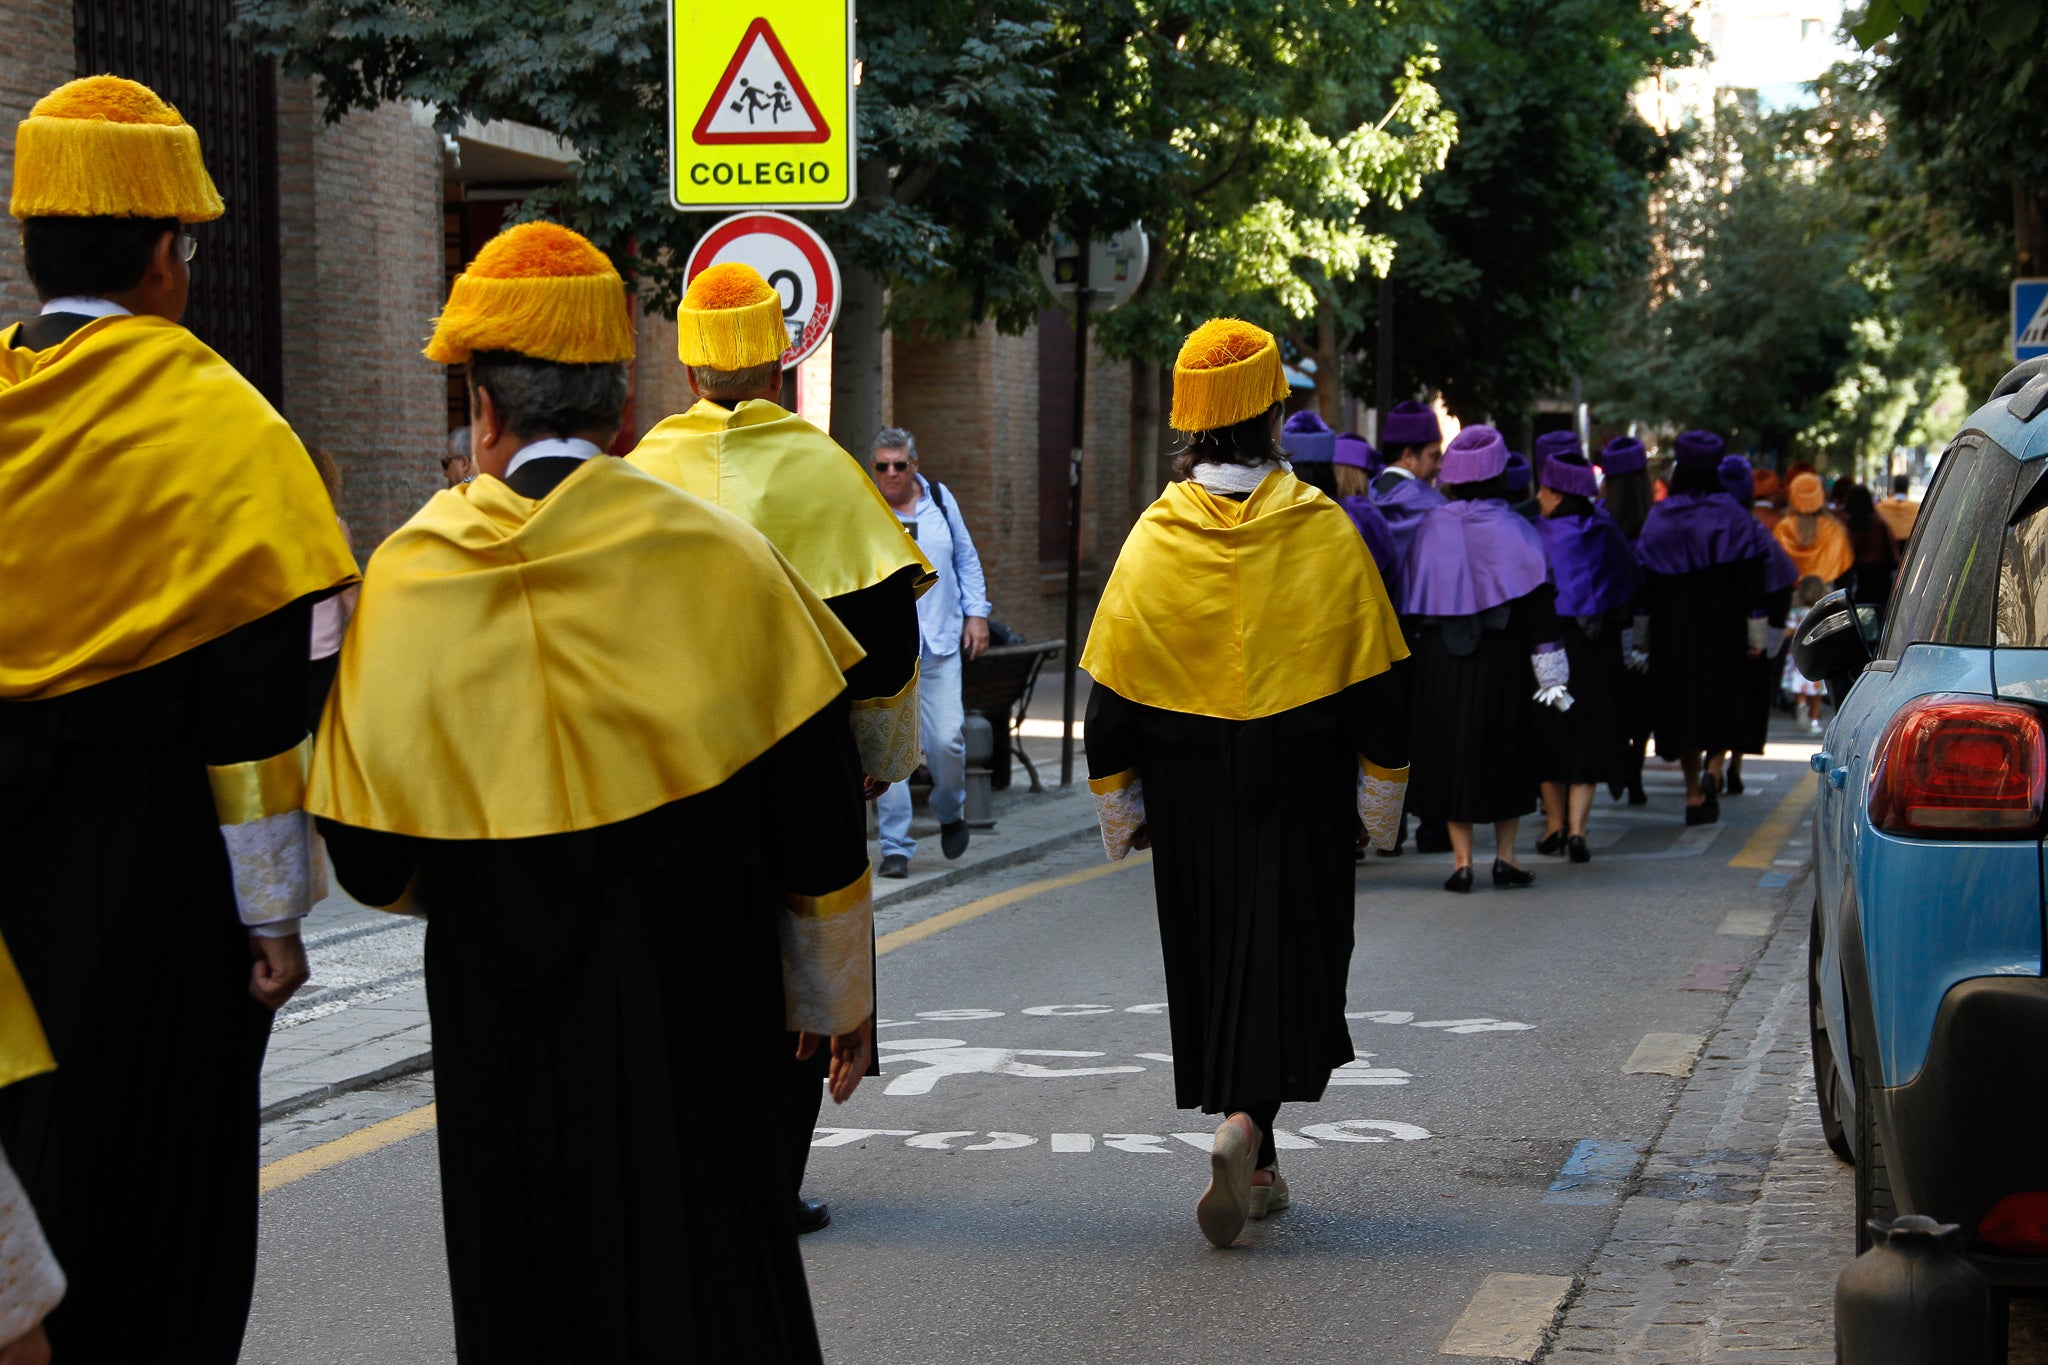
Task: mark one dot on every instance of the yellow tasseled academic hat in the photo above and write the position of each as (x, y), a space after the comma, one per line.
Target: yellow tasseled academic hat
(731, 319)
(103, 147)
(1808, 493)
(543, 291)
(1227, 371)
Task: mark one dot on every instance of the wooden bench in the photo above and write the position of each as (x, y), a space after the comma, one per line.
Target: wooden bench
(999, 685)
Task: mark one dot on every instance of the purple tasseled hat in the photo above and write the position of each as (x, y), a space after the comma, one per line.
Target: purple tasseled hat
(1552, 444)
(1352, 449)
(1568, 473)
(1307, 438)
(1624, 455)
(1519, 475)
(1700, 450)
(1474, 455)
(1409, 423)
(1738, 478)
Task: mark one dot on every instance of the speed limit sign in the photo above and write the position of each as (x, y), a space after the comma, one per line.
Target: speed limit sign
(789, 256)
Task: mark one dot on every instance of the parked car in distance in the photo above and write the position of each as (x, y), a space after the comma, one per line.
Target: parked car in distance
(1929, 1007)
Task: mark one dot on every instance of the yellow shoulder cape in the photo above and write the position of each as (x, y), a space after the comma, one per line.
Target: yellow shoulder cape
(518, 668)
(1241, 609)
(789, 481)
(1830, 555)
(24, 1052)
(151, 500)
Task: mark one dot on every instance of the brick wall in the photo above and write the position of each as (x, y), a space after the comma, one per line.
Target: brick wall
(360, 224)
(661, 387)
(38, 56)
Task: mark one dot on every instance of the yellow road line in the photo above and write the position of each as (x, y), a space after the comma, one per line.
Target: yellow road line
(925, 928)
(1777, 827)
(361, 1142)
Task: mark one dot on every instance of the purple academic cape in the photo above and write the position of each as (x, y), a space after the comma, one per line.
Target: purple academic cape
(1691, 531)
(1591, 562)
(1379, 539)
(1468, 557)
(1403, 508)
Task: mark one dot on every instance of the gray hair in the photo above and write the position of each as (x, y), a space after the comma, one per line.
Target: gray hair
(541, 398)
(896, 438)
(458, 444)
(735, 385)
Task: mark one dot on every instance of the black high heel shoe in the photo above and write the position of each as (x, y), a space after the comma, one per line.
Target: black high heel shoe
(1505, 875)
(1735, 784)
(1636, 795)
(1577, 847)
(1551, 845)
(1460, 882)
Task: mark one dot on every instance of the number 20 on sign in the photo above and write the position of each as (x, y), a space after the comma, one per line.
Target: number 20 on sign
(761, 104)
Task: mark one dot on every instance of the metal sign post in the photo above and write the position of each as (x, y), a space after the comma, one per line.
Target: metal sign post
(1074, 518)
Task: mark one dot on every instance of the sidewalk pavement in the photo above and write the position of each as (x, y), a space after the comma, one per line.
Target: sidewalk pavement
(363, 1019)
(1728, 1248)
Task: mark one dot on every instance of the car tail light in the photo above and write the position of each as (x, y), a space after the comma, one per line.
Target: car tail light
(1960, 767)
(2017, 1225)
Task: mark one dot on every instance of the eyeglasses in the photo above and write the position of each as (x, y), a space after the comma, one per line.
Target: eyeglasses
(893, 466)
(188, 247)
(447, 460)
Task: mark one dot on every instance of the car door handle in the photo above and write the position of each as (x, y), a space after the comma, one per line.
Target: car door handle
(1820, 762)
(1838, 778)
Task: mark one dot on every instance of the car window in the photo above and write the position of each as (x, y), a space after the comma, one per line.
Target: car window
(2023, 581)
(1946, 593)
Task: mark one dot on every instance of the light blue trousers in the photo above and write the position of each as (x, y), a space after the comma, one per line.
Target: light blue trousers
(945, 753)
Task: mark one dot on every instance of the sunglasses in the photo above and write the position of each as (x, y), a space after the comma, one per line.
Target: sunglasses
(891, 465)
(447, 460)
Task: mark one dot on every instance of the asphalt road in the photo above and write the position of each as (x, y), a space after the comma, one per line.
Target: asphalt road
(1014, 1187)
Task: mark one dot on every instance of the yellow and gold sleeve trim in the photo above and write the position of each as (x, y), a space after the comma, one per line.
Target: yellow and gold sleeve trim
(247, 792)
(1115, 782)
(828, 959)
(1372, 769)
(885, 731)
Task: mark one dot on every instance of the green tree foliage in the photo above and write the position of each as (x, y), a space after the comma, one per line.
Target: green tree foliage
(1512, 257)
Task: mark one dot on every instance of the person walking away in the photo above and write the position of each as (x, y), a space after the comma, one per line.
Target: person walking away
(1484, 624)
(1626, 496)
(1352, 463)
(1876, 551)
(1760, 669)
(163, 538)
(1900, 512)
(457, 463)
(739, 449)
(1244, 730)
(602, 864)
(330, 615)
(1310, 448)
(1704, 565)
(953, 627)
(1412, 441)
(1807, 693)
(1593, 569)
(1520, 485)
(1817, 544)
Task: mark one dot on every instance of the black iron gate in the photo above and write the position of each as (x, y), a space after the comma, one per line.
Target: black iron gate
(182, 50)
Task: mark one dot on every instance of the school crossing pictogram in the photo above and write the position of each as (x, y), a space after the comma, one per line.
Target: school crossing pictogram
(762, 99)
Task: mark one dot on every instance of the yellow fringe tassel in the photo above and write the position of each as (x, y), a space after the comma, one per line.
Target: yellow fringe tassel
(90, 168)
(732, 338)
(1206, 399)
(569, 319)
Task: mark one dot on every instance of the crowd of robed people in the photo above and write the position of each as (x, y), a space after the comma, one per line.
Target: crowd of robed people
(609, 726)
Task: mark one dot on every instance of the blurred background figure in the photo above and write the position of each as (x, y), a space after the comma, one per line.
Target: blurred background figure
(457, 465)
(1900, 511)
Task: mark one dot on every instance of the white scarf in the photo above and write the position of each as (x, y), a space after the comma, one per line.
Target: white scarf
(1235, 478)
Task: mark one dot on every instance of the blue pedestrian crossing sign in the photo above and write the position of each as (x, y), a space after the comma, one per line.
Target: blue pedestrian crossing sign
(2029, 319)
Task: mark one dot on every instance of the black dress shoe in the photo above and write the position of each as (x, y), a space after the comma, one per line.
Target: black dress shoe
(812, 1214)
(1460, 882)
(1735, 784)
(1551, 845)
(1636, 795)
(1706, 813)
(1507, 875)
(953, 839)
(895, 865)
(1393, 852)
(1576, 846)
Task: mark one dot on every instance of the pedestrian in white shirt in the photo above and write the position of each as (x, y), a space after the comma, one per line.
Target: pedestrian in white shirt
(953, 620)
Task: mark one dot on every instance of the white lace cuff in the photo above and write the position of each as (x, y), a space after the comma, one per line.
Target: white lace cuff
(885, 731)
(1120, 807)
(31, 1282)
(1553, 668)
(1381, 794)
(274, 871)
(828, 959)
(1759, 633)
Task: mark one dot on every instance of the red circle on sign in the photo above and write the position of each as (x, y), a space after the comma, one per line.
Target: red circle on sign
(820, 311)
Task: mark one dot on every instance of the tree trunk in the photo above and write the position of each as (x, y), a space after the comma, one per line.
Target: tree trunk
(1329, 364)
(857, 337)
(1145, 437)
(2030, 228)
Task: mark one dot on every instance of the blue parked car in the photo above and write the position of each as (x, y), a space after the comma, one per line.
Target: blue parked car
(1929, 1005)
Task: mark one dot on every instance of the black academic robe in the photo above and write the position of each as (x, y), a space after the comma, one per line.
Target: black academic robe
(1471, 688)
(610, 1062)
(1589, 743)
(1699, 648)
(1254, 826)
(140, 1151)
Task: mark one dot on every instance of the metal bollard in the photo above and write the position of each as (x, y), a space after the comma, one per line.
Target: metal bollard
(1912, 1299)
(981, 747)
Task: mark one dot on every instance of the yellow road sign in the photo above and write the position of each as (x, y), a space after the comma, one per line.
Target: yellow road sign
(761, 104)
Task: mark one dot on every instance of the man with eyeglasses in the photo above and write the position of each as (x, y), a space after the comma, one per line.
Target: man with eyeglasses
(953, 622)
(457, 465)
(163, 540)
